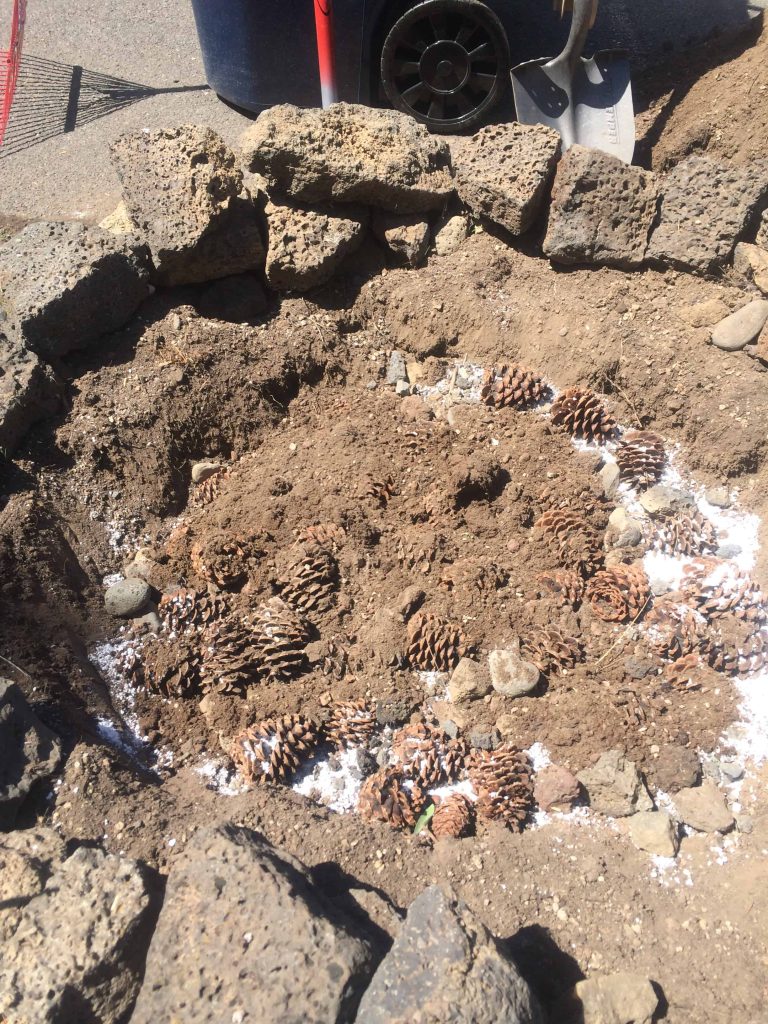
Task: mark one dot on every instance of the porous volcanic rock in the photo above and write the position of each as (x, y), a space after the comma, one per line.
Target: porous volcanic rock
(306, 246)
(504, 171)
(615, 999)
(243, 922)
(78, 949)
(27, 857)
(29, 751)
(63, 285)
(601, 211)
(28, 392)
(444, 965)
(184, 191)
(349, 153)
(614, 786)
(404, 236)
(703, 808)
(705, 207)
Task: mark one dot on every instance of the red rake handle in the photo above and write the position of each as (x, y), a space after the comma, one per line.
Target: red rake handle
(325, 51)
(10, 60)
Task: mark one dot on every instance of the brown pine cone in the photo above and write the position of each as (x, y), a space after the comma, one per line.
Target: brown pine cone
(673, 628)
(434, 643)
(717, 588)
(380, 489)
(335, 661)
(453, 817)
(619, 594)
(282, 637)
(565, 585)
(552, 650)
(322, 535)
(171, 667)
(351, 724)
(428, 755)
(686, 533)
(685, 673)
(208, 490)
(641, 458)
(383, 797)
(735, 648)
(583, 415)
(231, 657)
(503, 783)
(190, 609)
(310, 579)
(513, 386)
(226, 560)
(272, 750)
(577, 545)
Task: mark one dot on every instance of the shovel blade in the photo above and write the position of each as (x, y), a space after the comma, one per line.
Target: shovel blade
(593, 107)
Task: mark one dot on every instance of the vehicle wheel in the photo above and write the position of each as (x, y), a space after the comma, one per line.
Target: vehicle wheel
(446, 63)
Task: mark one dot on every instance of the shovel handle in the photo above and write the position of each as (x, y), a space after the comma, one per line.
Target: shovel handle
(584, 14)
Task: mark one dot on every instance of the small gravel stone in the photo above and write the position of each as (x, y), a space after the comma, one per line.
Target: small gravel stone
(675, 768)
(127, 598)
(741, 327)
(660, 500)
(614, 786)
(704, 808)
(613, 999)
(654, 832)
(202, 470)
(728, 551)
(470, 681)
(402, 388)
(484, 737)
(556, 789)
(396, 370)
(609, 478)
(511, 675)
(719, 497)
(408, 600)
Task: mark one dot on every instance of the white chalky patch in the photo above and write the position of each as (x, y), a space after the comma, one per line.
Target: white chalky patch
(333, 780)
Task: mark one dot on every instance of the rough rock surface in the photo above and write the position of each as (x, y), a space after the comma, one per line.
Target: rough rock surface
(184, 191)
(444, 966)
(77, 951)
(704, 808)
(511, 675)
(26, 859)
(29, 751)
(705, 206)
(654, 832)
(127, 598)
(242, 922)
(63, 285)
(470, 681)
(404, 236)
(28, 392)
(503, 172)
(616, 999)
(751, 262)
(307, 246)
(742, 327)
(675, 767)
(449, 234)
(614, 786)
(601, 211)
(556, 789)
(349, 153)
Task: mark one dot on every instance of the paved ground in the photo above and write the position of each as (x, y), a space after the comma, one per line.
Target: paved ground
(70, 176)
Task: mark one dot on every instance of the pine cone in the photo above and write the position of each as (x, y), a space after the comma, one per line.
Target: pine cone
(380, 489)
(736, 648)
(686, 533)
(453, 817)
(190, 609)
(685, 673)
(172, 668)
(428, 755)
(231, 655)
(383, 797)
(309, 581)
(225, 560)
(336, 661)
(282, 637)
(502, 781)
(512, 386)
(717, 588)
(322, 535)
(551, 650)
(619, 593)
(352, 723)
(673, 628)
(641, 458)
(577, 545)
(434, 644)
(565, 585)
(272, 750)
(209, 489)
(583, 415)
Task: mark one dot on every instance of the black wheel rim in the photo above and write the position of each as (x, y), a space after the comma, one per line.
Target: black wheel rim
(442, 65)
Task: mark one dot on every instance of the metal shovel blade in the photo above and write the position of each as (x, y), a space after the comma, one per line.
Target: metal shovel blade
(596, 110)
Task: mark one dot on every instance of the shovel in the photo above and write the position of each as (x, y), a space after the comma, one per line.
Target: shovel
(589, 102)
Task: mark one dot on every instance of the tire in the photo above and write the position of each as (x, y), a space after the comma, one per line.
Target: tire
(446, 63)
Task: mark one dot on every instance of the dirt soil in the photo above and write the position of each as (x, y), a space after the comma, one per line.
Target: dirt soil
(443, 495)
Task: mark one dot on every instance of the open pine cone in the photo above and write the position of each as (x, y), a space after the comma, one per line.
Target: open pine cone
(552, 650)
(190, 609)
(583, 415)
(209, 489)
(641, 458)
(380, 489)
(231, 658)
(502, 780)
(322, 535)
(735, 648)
(172, 668)
(351, 724)
(453, 817)
(282, 637)
(577, 545)
(685, 673)
(717, 588)
(564, 585)
(384, 797)
(309, 581)
(673, 628)
(619, 594)
(434, 643)
(272, 750)
(686, 533)
(513, 386)
(225, 560)
(335, 661)
(428, 755)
